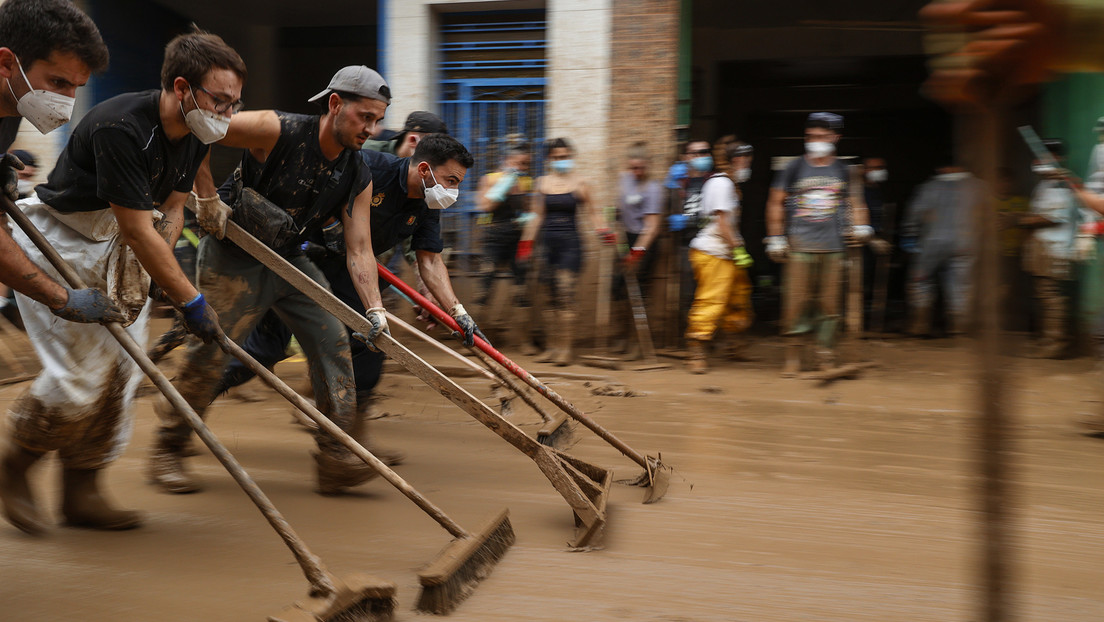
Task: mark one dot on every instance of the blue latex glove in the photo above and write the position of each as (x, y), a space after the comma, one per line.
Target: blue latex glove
(200, 319)
(909, 244)
(677, 222)
(89, 306)
(675, 175)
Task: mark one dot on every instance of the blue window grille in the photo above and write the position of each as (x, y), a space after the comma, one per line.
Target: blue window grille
(492, 85)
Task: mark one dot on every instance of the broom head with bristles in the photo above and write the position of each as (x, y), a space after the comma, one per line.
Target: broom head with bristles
(359, 598)
(557, 432)
(458, 569)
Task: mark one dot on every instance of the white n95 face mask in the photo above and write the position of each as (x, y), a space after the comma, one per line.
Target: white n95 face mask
(46, 110)
(209, 127)
(437, 196)
(743, 175)
(820, 149)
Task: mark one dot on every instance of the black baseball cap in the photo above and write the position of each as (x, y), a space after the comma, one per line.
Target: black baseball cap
(424, 122)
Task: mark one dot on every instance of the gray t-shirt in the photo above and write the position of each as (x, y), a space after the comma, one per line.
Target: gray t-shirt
(638, 200)
(816, 205)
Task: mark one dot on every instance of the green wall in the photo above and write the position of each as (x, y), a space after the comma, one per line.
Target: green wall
(1070, 107)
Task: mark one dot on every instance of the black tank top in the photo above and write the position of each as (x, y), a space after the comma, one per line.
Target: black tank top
(559, 211)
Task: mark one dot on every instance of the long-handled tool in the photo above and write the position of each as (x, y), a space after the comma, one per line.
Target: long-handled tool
(461, 565)
(656, 476)
(359, 598)
(584, 486)
(640, 313)
(495, 373)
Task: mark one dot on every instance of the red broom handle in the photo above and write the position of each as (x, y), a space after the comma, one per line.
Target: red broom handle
(529, 379)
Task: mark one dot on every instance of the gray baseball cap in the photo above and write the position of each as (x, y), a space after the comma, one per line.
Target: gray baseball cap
(358, 80)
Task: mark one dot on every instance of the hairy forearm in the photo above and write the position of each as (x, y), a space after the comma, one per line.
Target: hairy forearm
(435, 275)
(22, 275)
(776, 224)
(362, 269)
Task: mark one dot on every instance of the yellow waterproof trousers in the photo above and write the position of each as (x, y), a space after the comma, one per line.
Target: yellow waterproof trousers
(722, 298)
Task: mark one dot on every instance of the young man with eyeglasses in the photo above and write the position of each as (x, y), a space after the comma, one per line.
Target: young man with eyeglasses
(113, 208)
(48, 48)
(810, 222)
(307, 167)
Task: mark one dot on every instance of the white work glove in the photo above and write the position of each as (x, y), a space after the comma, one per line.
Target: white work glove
(212, 214)
(377, 317)
(860, 234)
(467, 325)
(778, 248)
(1084, 248)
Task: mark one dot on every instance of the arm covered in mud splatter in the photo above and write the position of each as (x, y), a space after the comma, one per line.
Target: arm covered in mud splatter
(359, 256)
(172, 218)
(22, 275)
(434, 273)
(137, 230)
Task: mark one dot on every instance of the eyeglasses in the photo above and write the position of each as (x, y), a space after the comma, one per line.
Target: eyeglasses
(700, 152)
(221, 105)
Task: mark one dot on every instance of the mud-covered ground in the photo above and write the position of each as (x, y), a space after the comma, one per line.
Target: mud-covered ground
(792, 501)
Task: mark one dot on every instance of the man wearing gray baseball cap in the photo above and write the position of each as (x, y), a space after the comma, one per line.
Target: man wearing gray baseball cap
(304, 172)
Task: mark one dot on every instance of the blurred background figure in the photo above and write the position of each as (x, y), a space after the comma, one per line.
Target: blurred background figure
(1015, 288)
(504, 201)
(722, 298)
(1053, 250)
(938, 231)
(686, 224)
(562, 198)
(640, 203)
(418, 124)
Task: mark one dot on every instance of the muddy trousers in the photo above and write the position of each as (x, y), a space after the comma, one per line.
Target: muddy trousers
(954, 275)
(1054, 305)
(722, 298)
(241, 291)
(268, 343)
(81, 404)
(811, 296)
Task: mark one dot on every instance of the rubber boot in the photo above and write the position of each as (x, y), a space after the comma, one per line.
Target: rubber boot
(15, 490)
(696, 363)
(1054, 344)
(921, 322)
(735, 347)
(552, 342)
(566, 336)
(83, 505)
(336, 474)
(165, 469)
(359, 432)
(792, 367)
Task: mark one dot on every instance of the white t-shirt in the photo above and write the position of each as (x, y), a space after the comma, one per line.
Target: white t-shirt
(717, 195)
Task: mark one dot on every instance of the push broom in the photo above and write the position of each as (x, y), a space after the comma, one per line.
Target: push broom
(358, 598)
(466, 561)
(583, 486)
(656, 476)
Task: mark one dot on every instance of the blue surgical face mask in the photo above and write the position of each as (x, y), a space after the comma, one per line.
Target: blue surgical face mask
(563, 166)
(702, 164)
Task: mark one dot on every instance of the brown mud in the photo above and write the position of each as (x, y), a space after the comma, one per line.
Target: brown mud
(792, 500)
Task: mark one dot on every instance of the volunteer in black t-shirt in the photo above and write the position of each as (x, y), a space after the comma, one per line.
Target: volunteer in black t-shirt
(128, 165)
(399, 212)
(307, 167)
(48, 48)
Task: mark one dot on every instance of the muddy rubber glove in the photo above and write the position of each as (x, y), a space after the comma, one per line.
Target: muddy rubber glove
(634, 257)
(212, 214)
(89, 306)
(377, 317)
(778, 248)
(607, 236)
(467, 324)
(9, 164)
(741, 258)
(200, 319)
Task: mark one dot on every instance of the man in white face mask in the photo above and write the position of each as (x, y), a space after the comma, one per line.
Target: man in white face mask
(810, 221)
(311, 183)
(113, 208)
(48, 48)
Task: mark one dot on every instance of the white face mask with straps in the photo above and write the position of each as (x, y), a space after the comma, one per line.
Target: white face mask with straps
(46, 110)
(208, 126)
(437, 196)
